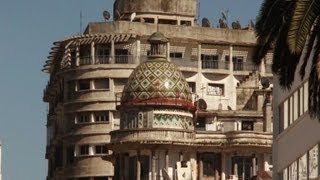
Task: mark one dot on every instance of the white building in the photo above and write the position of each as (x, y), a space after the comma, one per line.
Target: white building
(296, 134)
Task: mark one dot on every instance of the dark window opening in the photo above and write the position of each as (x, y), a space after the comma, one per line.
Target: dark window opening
(176, 55)
(148, 20)
(100, 149)
(201, 124)
(101, 83)
(237, 62)
(167, 21)
(210, 61)
(84, 84)
(185, 23)
(103, 56)
(102, 116)
(247, 125)
(83, 117)
(192, 86)
(211, 163)
(84, 149)
(121, 56)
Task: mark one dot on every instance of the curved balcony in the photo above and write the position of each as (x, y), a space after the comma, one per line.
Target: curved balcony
(89, 129)
(234, 138)
(152, 136)
(80, 168)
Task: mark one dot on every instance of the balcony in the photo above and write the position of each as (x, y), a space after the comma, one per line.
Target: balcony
(214, 64)
(152, 136)
(85, 60)
(234, 138)
(102, 59)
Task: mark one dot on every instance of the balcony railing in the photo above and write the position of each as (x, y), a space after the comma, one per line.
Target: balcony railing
(85, 60)
(102, 60)
(244, 66)
(214, 64)
(152, 135)
(124, 59)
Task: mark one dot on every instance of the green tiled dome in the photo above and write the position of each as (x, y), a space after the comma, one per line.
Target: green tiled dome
(156, 82)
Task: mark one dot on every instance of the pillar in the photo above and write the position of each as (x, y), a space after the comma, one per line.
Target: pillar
(254, 166)
(199, 58)
(112, 53)
(263, 67)
(200, 167)
(92, 51)
(168, 51)
(138, 168)
(167, 161)
(77, 56)
(230, 58)
(267, 115)
(181, 156)
(153, 166)
(235, 169)
(138, 52)
(223, 166)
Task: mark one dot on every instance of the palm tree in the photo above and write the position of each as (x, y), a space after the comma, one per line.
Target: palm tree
(292, 29)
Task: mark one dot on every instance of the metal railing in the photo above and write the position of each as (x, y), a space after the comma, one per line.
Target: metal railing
(124, 59)
(214, 64)
(102, 59)
(85, 60)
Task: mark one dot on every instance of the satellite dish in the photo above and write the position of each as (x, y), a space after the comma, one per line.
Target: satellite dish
(132, 16)
(265, 82)
(236, 25)
(205, 22)
(201, 104)
(106, 15)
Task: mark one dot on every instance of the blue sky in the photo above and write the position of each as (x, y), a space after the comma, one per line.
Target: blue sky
(27, 30)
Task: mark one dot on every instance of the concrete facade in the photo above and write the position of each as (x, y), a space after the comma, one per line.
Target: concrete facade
(88, 73)
(296, 134)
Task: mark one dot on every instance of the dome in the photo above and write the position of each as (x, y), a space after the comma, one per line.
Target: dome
(157, 82)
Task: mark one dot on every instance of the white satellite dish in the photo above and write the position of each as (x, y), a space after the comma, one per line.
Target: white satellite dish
(132, 16)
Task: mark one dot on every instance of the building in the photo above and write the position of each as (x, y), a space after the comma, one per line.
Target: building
(296, 134)
(88, 72)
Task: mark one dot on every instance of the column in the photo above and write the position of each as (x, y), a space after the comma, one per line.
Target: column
(181, 156)
(235, 169)
(230, 58)
(153, 166)
(200, 169)
(77, 56)
(121, 170)
(223, 166)
(138, 168)
(199, 58)
(254, 166)
(167, 161)
(92, 51)
(263, 67)
(168, 51)
(112, 53)
(138, 52)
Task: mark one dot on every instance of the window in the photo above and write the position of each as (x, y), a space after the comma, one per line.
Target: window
(84, 84)
(178, 55)
(192, 86)
(100, 149)
(148, 20)
(185, 23)
(211, 163)
(102, 116)
(237, 62)
(103, 56)
(167, 21)
(102, 83)
(215, 89)
(209, 61)
(201, 124)
(247, 126)
(84, 150)
(83, 118)
(121, 56)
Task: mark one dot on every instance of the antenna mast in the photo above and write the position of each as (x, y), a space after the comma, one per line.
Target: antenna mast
(198, 10)
(80, 26)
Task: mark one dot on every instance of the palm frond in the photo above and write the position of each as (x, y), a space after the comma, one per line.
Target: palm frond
(304, 16)
(311, 41)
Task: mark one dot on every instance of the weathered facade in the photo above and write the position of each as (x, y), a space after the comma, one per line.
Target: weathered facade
(231, 128)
